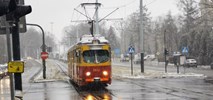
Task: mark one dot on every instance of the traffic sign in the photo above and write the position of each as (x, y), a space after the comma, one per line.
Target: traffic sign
(131, 49)
(185, 50)
(44, 55)
(16, 67)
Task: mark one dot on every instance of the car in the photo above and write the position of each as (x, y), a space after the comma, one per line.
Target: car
(137, 59)
(124, 58)
(191, 63)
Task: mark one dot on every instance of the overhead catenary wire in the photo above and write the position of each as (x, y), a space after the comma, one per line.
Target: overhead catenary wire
(83, 14)
(108, 14)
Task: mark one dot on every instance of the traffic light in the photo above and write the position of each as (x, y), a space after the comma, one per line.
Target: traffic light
(12, 10)
(21, 10)
(166, 52)
(7, 6)
(3, 8)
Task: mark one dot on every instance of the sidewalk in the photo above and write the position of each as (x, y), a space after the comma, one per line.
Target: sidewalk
(124, 72)
(119, 71)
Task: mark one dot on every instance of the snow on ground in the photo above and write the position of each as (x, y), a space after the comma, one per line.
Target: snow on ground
(124, 72)
(119, 71)
(52, 74)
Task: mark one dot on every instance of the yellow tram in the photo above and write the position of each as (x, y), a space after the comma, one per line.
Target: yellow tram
(89, 61)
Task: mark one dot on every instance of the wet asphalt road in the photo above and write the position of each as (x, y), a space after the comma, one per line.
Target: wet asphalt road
(188, 88)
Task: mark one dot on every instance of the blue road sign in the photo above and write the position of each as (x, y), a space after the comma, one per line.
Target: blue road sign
(131, 49)
(185, 50)
(117, 51)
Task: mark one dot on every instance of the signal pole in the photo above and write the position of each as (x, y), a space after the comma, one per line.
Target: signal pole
(16, 55)
(9, 59)
(141, 36)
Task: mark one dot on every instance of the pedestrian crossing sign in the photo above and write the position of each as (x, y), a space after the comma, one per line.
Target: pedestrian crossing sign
(131, 49)
(185, 50)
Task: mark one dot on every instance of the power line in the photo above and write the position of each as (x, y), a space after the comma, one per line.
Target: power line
(151, 2)
(125, 5)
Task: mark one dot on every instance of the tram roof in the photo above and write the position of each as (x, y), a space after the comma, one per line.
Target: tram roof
(87, 39)
(90, 38)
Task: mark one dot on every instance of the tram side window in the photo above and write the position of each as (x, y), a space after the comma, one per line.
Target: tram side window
(79, 57)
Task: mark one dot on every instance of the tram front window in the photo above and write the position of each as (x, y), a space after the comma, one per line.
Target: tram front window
(96, 56)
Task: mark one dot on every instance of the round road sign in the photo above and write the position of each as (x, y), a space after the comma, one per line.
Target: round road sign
(44, 55)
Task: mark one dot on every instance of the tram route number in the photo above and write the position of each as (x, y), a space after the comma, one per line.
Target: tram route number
(16, 67)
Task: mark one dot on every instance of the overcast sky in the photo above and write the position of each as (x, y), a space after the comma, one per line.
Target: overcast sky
(61, 12)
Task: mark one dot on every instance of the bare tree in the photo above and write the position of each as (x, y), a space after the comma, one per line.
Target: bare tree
(31, 43)
(171, 33)
(132, 33)
(112, 38)
(74, 32)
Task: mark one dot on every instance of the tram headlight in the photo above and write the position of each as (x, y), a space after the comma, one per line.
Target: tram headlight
(105, 73)
(88, 73)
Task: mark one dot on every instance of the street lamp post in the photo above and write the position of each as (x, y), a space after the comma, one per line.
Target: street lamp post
(43, 48)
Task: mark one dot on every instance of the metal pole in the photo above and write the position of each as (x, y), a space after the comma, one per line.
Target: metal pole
(16, 56)
(131, 65)
(96, 21)
(43, 48)
(77, 36)
(12, 92)
(165, 52)
(141, 36)
(177, 68)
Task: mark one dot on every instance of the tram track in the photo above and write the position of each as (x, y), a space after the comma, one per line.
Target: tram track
(88, 92)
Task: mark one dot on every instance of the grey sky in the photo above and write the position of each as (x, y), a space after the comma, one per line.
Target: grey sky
(60, 12)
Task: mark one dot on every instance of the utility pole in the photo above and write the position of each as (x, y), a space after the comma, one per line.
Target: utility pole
(141, 36)
(96, 20)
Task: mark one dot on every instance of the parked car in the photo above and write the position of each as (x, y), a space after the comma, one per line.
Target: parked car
(137, 59)
(125, 58)
(191, 63)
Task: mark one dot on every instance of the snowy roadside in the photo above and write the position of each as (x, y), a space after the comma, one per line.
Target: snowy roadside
(125, 72)
(156, 63)
(52, 73)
